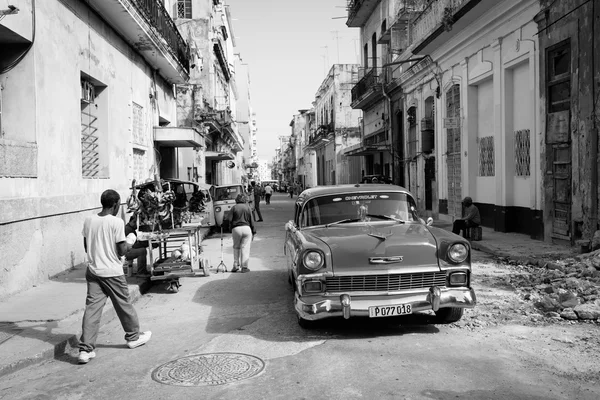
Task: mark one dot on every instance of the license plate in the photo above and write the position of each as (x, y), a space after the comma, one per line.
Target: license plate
(390, 311)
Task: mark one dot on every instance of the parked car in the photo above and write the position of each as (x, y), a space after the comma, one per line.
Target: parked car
(224, 199)
(376, 179)
(362, 251)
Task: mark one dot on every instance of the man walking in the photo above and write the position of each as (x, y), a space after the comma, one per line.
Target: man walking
(268, 193)
(104, 243)
(256, 193)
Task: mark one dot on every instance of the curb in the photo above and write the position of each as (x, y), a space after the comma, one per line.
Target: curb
(56, 350)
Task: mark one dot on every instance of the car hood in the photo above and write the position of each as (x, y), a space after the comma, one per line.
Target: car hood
(379, 247)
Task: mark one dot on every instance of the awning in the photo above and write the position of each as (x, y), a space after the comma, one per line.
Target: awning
(216, 156)
(166, 136)
(367, 150)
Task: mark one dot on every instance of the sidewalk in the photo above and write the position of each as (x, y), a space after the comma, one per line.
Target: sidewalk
(515, 246)
(44, 322)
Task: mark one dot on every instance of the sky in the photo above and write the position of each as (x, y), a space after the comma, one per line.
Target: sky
(289, 46)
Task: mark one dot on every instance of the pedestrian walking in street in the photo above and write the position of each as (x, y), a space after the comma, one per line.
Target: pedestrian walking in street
(471, 217)
(105, 243)
(291, 190)
(242, 231)
(256, 194)
(268, 194)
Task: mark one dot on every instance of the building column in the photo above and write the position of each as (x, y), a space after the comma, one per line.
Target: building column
(501, 151)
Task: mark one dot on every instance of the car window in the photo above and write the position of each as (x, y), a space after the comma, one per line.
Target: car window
(227, 193)
(327, 209)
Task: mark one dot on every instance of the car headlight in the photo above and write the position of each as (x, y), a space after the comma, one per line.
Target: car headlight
(458, 253)
(313, 260)
(217, 209)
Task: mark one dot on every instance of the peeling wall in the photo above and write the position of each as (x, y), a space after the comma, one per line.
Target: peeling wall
(42, 214)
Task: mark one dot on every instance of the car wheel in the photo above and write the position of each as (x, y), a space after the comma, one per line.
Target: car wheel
(448, 315)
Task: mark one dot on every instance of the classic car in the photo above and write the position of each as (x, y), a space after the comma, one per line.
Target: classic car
(362, 251)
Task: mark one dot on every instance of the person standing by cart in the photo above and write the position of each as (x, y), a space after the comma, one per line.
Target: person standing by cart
(242, 231)
(105, 243)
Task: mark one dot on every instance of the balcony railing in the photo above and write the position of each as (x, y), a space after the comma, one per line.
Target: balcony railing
(359, 11)
(221, 57)
(435, 14)
(369, 81)
(157, 16)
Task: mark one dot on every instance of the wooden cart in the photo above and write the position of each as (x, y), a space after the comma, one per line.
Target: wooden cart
(170, 269)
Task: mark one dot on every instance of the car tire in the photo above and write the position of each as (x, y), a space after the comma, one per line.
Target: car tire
(448, 315)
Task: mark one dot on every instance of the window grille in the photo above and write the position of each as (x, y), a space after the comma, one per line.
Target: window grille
(184, 9)
(139, 165)
(90, 141)
(486, 156)
(522, 153)
(138, 136)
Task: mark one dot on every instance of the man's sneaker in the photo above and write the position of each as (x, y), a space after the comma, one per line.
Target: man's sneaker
(85, 356)
(245, 269)
(144, 337)
(235, 268)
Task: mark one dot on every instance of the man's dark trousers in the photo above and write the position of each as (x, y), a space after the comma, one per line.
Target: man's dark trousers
(461, 224)
(257, 208)
(268, 198)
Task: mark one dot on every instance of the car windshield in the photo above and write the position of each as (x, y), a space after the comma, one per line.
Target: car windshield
(355, 207)
(227, 193)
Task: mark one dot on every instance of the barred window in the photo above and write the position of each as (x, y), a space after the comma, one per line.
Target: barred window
(94, 120)
(486, 156)
(522, 153)
(184, 9)
(138, 136)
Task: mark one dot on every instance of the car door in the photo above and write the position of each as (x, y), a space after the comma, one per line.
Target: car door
(209, 209)
(292, 242)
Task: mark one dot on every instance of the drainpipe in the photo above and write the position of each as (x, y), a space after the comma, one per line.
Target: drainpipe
(389, 128)
(595, 123)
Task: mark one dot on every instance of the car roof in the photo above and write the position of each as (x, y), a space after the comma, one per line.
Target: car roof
(355, 188)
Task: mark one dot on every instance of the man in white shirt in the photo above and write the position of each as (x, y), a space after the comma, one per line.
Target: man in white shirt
(104, 242)
(268, 193)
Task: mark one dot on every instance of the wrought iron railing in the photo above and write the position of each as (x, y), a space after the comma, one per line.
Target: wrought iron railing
(157, 16)
(434, 13)
(371, 80)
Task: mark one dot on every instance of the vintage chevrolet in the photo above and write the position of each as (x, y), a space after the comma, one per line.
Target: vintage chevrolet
(362, 251)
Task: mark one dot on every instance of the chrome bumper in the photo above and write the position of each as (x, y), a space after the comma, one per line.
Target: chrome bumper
(316, 307)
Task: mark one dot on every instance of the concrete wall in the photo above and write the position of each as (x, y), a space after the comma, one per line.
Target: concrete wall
(42, 214)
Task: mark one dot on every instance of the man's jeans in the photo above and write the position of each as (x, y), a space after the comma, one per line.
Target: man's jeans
(242, 241)
(257, 209)
(98, 290)
(268, 198)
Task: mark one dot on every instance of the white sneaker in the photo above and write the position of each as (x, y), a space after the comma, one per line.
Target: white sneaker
(85, 356)
(144, 337)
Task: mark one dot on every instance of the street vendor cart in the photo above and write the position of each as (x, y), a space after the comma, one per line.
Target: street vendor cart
(165, 211)
(179, 254)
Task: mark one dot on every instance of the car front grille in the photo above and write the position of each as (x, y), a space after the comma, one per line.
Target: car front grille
(385, 283)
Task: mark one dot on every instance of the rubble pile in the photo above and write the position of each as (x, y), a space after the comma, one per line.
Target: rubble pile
(568, 288)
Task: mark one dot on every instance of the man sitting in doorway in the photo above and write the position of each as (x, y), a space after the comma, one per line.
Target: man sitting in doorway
(470, 218)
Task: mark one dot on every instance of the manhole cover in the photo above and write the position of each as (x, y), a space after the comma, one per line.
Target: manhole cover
(208, 369)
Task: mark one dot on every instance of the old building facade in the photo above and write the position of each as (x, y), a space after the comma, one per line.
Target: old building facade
(569, 91)
(208, 101)
(80, 103)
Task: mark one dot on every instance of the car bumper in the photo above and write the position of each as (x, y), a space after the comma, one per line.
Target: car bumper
(316, 307)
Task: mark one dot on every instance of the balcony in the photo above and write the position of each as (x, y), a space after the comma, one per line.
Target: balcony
(368, 90)
(178, 137)
(221, 57)
(222, 123)
(443, 19)
(403, 14)
(148, 28)
(359, 12)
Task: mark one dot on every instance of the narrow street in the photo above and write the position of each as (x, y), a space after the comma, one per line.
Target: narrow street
(493, 352)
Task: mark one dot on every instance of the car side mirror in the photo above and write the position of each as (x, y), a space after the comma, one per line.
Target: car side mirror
(429, 221)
